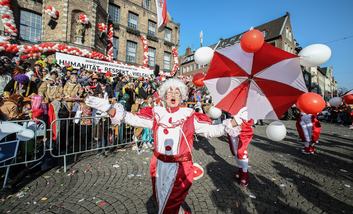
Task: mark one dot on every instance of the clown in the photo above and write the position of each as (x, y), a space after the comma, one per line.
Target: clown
(309, 129)
(172, 169)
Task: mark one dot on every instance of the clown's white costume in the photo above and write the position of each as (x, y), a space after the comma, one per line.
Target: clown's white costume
(239, 148)
(172, 169)
(309, 129)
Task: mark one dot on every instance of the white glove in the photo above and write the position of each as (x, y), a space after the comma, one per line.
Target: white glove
(242, 115)
(99, 103)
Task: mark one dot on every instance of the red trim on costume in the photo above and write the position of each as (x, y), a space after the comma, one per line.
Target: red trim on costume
(146, 113)
(173, 158)
(202, 118)
(316, 129)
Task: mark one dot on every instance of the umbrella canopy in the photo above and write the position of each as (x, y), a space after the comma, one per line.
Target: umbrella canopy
(268, 81)
(348, 97)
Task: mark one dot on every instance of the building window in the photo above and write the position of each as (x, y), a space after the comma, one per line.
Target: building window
(131, 52)
(288, 34)
(115, 47)
(152, 28)
(146, 4)
(133, 21)
(151, 56)
(191, 67)
(285, 47)
(196, 66)
(167, 60)
(114, 13)
(30, 26)
(168, 34)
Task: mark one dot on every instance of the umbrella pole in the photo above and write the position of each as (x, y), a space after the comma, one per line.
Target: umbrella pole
(247, 93)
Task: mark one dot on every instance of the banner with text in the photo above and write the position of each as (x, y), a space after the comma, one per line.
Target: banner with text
(78, 62)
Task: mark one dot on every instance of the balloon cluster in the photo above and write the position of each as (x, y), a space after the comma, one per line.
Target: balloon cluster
(184, 78)
(7, 17)
(52, 12)
(145, 51)
(51, 47)
(84, 19)
(102, 27)
(110, 41)
(176, 59)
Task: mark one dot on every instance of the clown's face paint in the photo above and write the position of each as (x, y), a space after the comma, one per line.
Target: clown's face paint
(173, 97)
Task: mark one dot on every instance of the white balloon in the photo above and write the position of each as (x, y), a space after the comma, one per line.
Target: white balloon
(203, 55)
(214, 112)
(314, 55)
(336, 101)
(276, 131)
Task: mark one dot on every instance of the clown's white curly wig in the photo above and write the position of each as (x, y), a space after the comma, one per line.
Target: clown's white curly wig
(176, 83)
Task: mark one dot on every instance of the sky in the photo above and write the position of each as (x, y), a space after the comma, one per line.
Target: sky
(313, 22)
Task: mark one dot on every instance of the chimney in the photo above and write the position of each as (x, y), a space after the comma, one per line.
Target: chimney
(188, 51)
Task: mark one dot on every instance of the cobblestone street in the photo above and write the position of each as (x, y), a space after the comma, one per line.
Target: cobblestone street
(282, 180)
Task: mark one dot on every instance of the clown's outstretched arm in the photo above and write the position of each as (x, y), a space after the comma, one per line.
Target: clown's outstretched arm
(118, 115)
(229, 126)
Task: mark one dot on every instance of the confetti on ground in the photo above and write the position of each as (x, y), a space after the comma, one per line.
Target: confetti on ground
(101, 204)
(59, 206)
(46, 176)
(138, 175)
(273, 179)
(343, 170)
(346, 185)
(44, 199)
(99, 201)
(58, 171)
(289, 179)
(282, 185)
(62, 184)
(132, 175)
(237, 205)
(48, 183)
(81, 200)
(116, 165)
(217, 190)
(252, 196)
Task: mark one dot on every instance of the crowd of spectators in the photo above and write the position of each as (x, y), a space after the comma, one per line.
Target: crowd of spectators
(32, 87)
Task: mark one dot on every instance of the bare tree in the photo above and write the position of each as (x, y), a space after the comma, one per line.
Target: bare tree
(341, 90)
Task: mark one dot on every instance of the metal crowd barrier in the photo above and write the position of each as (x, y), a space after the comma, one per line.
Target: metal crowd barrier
(74, 136)
(14, 152)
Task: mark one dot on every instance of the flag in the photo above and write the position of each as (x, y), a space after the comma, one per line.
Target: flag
(162, 17)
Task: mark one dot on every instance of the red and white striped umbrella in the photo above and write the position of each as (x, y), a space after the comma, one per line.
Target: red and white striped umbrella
(268, 81)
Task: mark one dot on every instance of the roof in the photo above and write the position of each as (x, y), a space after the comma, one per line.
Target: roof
(323, 70)
(270, 30)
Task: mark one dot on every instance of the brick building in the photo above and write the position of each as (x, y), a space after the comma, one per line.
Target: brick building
(277, 32)
(131, 20)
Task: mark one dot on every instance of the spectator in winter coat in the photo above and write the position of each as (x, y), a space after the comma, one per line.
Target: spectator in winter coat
(119, 88)
(103, 87)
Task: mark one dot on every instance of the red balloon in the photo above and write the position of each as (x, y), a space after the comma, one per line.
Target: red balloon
(198, 79)
(348, 99)
(252, 41)
(311, 103)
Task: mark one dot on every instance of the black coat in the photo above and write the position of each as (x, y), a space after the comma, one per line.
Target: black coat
(108, 89)
(142, 93)
(32, 89)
